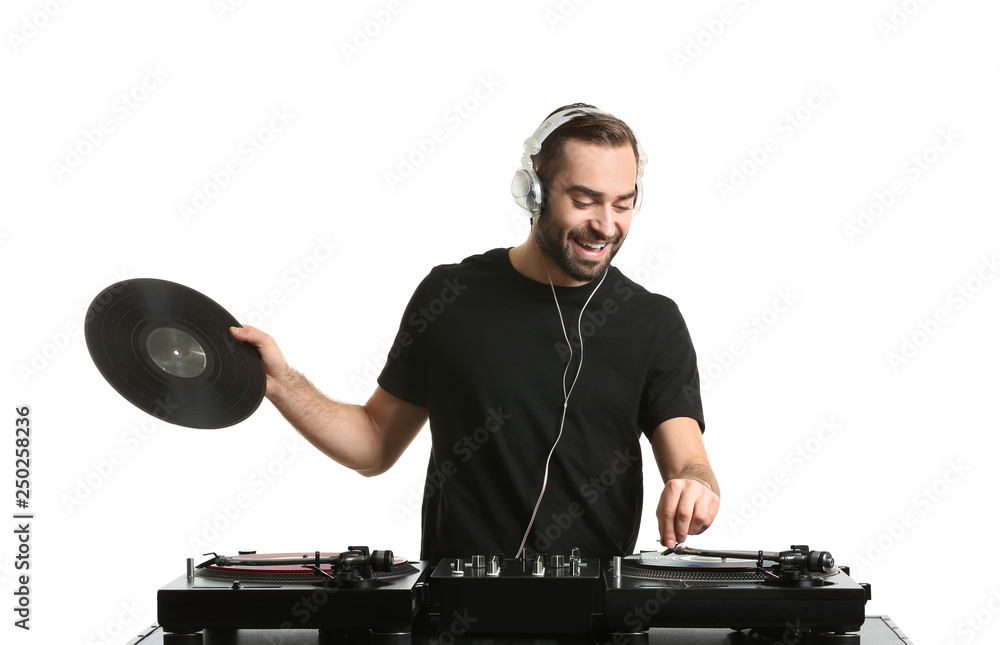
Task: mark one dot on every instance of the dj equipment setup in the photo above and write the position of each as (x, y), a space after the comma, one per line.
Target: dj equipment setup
(167, 349)
(796, 594)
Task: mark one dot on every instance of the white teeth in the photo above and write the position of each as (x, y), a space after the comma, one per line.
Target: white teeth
(596, 247)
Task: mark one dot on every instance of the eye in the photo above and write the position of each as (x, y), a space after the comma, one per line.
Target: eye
(579, 204)
(623, 209)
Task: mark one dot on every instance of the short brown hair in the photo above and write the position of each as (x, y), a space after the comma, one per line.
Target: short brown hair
(596, 127)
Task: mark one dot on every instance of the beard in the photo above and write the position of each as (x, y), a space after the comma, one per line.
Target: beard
(557, 244)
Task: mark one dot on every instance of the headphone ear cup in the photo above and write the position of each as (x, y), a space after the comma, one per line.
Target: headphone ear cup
(527, 191)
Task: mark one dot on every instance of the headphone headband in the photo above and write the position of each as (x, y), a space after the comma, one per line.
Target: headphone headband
(533, 144)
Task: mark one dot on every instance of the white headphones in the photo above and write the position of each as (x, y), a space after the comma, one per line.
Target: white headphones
(526, 187)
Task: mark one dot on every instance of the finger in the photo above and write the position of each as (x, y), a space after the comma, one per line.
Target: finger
(667, 537)
(666, 514)
(250, 334)
(683, 515)
(705, 509)
(255, 337)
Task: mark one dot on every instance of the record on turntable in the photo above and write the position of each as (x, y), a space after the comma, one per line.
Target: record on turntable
(763, 591)
(167, 349)
(688, 562)
(297, 567)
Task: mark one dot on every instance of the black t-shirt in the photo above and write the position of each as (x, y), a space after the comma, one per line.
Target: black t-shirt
(481, 347)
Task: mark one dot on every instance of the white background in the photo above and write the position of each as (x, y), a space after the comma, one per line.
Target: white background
(857, 97)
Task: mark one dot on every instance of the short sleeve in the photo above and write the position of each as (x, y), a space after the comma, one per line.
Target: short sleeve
(405, 373)
(672, 388)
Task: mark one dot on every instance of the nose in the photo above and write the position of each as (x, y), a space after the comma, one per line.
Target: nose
(603, 221)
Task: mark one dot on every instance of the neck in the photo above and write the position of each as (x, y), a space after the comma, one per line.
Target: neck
(532, 262)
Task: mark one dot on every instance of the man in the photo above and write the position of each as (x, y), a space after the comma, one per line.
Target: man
(538, 367)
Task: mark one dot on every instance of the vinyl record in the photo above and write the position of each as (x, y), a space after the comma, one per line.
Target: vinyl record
(676, 561)
(288, 572)
(167, 349)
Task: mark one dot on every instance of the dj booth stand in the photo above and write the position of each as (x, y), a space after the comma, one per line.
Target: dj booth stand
(877, 630)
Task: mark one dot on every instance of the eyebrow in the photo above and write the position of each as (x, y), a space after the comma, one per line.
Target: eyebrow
(577, 188)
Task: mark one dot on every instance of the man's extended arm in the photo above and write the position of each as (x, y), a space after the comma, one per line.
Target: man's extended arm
(690, 498)
(367, 438)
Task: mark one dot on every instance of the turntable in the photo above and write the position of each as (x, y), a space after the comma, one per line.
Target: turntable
(772, 594)
(353, 592)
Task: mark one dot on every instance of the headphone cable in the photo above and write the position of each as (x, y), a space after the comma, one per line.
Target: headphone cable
(566, 392)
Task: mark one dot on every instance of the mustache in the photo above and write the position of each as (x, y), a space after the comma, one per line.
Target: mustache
(591, 239)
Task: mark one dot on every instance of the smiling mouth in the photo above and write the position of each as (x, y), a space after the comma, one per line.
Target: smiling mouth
(591, 247)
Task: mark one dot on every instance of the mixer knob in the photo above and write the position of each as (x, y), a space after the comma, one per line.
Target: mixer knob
(539, 568)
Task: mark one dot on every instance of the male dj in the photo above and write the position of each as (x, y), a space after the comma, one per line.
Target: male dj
(538, 367)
